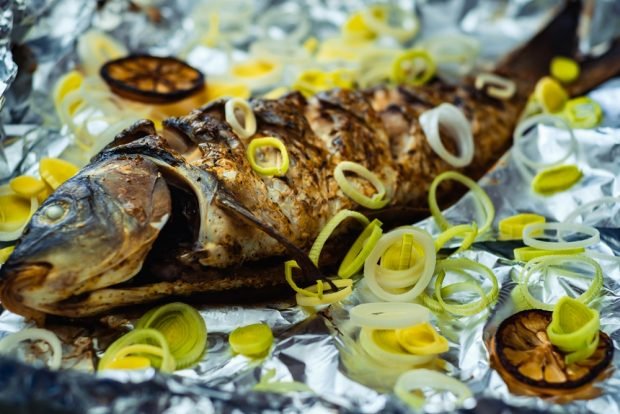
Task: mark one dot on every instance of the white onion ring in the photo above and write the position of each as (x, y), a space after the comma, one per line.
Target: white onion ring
(453, 119)
(8, 343)
(371, 266)
(528, 123)
(249, 128)
(389, 315)
(559, 228)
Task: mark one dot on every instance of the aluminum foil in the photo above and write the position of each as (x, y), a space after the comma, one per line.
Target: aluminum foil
(315, 349)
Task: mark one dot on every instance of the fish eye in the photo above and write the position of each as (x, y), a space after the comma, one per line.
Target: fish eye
(54, 212)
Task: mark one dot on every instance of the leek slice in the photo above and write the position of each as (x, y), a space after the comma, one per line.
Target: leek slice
(538, 229)
(27, 186)
(574, 329)
(377, 201)
(556, 179)
(405, 68)
(470, 231)
(249, 120)
(482, 200)
(184, 329)
(328, 229)
(10, 342)
(345, 288)
(583, 112)
(358, 252)
(251, 340)
(550, 94)
(139, 337)
(511, 228)
(55, 171)
(422, 339)
(5, 253)
(383, 345)
(541, 265)
(278, 170)
(527, 253)
(466, 309)
(418, 379)
(130, 363)
(389, 315)
(564, 69)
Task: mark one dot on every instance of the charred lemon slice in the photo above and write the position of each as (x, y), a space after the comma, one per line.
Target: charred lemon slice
(152, 79)
(530, 364)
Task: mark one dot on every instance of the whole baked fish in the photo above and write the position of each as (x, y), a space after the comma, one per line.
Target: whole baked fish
(182, 212)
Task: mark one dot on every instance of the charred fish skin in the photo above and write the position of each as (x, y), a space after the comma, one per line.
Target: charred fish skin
(201, 154)
(94, 231)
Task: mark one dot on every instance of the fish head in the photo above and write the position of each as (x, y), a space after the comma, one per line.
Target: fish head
(94, 231)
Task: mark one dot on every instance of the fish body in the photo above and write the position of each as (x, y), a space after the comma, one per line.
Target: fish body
(182, 211)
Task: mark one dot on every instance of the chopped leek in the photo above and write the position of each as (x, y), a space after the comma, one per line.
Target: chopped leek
(512, 227)
(27, 186)
(583, 112)
(555, 179)
(55, 171)
(406, 67)
(550, 95)
(377, 201)
(276, 170)
(422, 339)
(251, 340)
(144, 337)
(564, 69)
(360, 249)
(184, 329)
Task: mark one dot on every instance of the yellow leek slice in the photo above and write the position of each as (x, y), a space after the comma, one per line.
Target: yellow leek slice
(583, 112)
(27, 186)
(356, 28)
(550, 94)
(5, 252)
(55, 171)
(345, 288)
(142, 338)
(417, 379)
(15, 212)
(556, 179)
(328, 229)
(130, 363)
(276, 93)
(360, 249)
(288, 275)
(573, 327)
(422, 339)
(377, 201)
(469, 231)
(540, 265)
(383, 345)
(511, 228)
(483, 202)
(406, 70)
(71, 81)
(399, 255)
(251, 340)
(278, 170)
(564, 69)
(527, 253)
(184, 330)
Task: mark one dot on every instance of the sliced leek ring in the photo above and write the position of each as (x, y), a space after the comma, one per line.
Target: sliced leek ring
(405, 67)
(531, 231)
(143, 337)
(27, 186)
(251, 340)
(418, 379)
(10, 342)
(564, 69)
(377, 201)
(556, 179)
(55, 171)
(469, 231)
(583, 112)
(551, 95)
(511, 228)
(249, 125)
(278, 170)
(345, 288)
(328, 229)
(389, 315)
(573, 325)
(541, 264)
(483, 201)
(383, 345)
(527, 253)
(184, 330)
(422, 339)
(360, 249)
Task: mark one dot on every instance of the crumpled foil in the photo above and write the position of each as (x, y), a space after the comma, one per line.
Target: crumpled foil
(311, 348)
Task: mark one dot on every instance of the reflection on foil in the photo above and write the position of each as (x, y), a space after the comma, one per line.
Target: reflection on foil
(319, 349)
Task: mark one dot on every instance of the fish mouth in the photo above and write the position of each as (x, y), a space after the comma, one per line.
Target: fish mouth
(18, 277)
